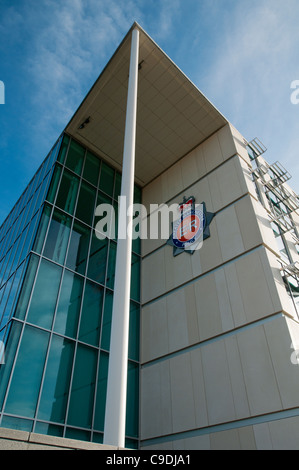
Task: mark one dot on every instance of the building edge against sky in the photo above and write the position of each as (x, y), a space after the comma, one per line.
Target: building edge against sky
(218, 328)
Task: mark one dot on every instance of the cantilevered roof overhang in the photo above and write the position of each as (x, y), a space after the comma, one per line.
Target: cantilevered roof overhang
(173, 116)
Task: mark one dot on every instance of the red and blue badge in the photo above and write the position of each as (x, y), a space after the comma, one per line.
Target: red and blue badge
(191, 229)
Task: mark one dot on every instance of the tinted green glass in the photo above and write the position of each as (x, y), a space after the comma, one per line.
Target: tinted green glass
(132, 417)
(97, 259)
(57, 380)
(54, 184)
(90, 323)
(92, 168)
(86, 203)
(79, 434)
(48, 429)
(20, 424)
(22, 304)
(58, 237)
(67, 195)
(137, 195)
(134, 331)
(42, 230)
(135, 278)
(99, 418)
(68, 309)
(111, 265)
(107, 179)
(63, 148)
(24, 387)
(10, 351)
(78, 249)
(75, 157)
(117, 186)
(44, 296)
(107, 317)
(83, 387)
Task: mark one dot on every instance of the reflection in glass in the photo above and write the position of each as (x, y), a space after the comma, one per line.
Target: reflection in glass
(91, 168)
(91, 315)
(43, 302)
(85, 206)
(78, 249)
(24, 387)
(83, 387)
(68, 310)
(58, 237)
(67, 195)
(75, 157)
(57, 380)
(97, 259)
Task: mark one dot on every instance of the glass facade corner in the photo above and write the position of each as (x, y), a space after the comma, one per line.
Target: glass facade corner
(56, 308)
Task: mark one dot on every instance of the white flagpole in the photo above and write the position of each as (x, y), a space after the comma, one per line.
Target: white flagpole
(115, 417)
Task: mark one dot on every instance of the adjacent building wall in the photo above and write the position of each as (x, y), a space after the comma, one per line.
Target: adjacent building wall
(217, 326)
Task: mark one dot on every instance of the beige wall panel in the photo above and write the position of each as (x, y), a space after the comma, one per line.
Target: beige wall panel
(226, 141)
(182, 395)
(154, 326)
(259, 373)
(284, 434)
(219, 396)
(229, 234)
(212, 152)
(153, 276)
(225, 440)
(287, 374)
(155, 403)
(236, 376)
(177, 321)
(201, 413)
(239, 143)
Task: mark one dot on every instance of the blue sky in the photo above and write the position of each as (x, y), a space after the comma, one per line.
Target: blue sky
(242, 54)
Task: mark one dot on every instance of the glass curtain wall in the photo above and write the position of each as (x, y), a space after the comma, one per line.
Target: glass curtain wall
(57, 341)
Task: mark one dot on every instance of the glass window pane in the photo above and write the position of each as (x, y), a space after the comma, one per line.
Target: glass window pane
(86, 203)
(68, 310)
(107, 317)
(101, 392)
(42, 230)
(135, 278)
(49, 429)
(63, 148)
(44, 296)
(111, 265)
(67, 195)
(137, 195)
(132, 417)
(57, 380)
(107, 179)
(54, 184)
(75, 157)
(97, 259)
(92, 168)
(117, 185)
(134, 332)
(58, 237)
(83, 387)
(22, 304)
(90, 323)
(20, 424)
(78, 249)
(24, 388)
(10, 351)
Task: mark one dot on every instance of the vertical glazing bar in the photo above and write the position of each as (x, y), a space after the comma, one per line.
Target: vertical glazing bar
(115, 417)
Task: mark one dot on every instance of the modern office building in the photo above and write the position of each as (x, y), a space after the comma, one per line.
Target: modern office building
(213, 333)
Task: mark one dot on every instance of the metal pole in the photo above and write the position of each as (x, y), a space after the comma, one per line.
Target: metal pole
(115, 417)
